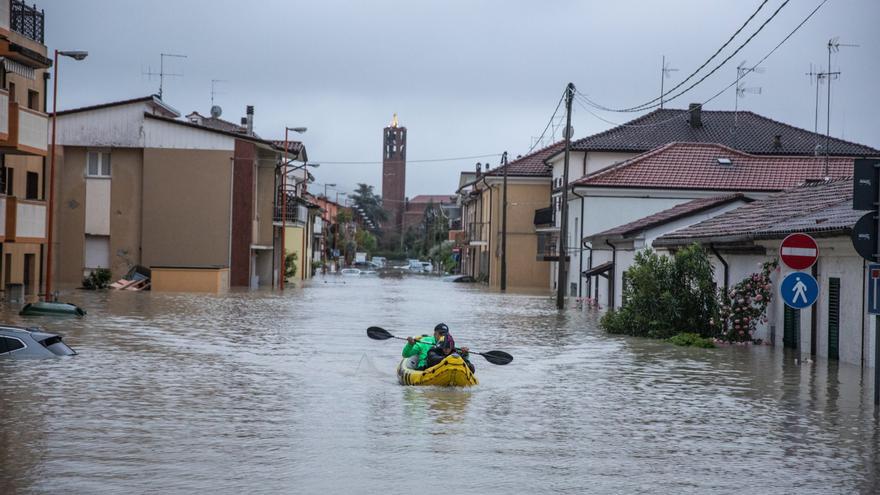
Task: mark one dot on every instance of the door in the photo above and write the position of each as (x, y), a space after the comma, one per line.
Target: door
(29, 273)
(791, 327)
(833, 318)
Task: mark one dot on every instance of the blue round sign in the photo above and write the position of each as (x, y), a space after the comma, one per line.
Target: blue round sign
(799, 290)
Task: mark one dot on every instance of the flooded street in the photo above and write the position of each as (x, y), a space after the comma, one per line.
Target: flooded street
(258, 392)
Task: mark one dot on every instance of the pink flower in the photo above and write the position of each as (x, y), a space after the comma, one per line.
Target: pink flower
(759, 298)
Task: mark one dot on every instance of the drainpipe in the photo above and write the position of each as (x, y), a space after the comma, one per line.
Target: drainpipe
(589, 266)
(613, 274)
(723, 262)
(581, 251)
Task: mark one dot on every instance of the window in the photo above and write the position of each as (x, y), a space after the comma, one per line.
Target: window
(11, 92)
(33, 100)
(9, 344)
(98, 164)
(33, 182)
(10, 176)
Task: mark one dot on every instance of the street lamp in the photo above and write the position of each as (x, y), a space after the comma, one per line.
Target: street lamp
(76, 55)
(299, 130)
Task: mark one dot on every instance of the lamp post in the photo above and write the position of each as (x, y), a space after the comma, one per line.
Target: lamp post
(327, 220)
(76, 55)
(284, 171)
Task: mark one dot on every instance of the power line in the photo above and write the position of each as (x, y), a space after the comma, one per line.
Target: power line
(719, 93)
(428, 160)
(550, 122)
(651, 104)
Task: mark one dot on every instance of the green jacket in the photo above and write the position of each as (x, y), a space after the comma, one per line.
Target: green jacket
(420, 347)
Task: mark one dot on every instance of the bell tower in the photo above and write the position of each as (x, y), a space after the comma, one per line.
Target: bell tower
(394, 174)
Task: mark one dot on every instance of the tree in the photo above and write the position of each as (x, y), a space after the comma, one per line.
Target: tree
(369, 202)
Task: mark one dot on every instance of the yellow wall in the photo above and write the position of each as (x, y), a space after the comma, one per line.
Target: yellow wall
(293, 243)
(523, 269)
(190, 279)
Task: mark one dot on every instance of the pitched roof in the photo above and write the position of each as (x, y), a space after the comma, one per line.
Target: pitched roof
(696, 166)
(817, 207)
(433, 198)
(531, 165)
(755, 134)
(215, 123)
(675, 213)
(143, 99)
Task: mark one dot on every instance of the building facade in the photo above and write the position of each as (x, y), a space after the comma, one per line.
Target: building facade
(24, 166)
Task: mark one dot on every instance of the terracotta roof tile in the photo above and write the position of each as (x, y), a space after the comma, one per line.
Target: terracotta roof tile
(755, 134)
(696, 166)
(531, 165)
(814, 207)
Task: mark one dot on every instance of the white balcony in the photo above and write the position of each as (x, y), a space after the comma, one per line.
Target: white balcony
(28, 131)
(29, 222)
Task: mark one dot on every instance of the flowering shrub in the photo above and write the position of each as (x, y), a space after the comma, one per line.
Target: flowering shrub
(745, 305)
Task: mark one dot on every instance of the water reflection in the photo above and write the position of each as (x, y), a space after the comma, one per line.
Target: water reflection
(268, 392)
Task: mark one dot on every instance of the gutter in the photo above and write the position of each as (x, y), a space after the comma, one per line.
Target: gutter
(723, 262)
(611, 280)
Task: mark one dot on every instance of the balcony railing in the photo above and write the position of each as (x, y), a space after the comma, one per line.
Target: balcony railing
(28, 131)
(544, 217)
(548, 246)
(27, 21)
(478, 233)
(296, 211)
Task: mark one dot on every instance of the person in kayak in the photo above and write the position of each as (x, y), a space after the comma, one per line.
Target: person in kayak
(419, 345)
(445, 345)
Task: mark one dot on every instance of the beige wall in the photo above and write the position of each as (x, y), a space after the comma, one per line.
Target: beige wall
(264, 210)
(523, 270)
(70, 207)
(186, 207)
(189, 280)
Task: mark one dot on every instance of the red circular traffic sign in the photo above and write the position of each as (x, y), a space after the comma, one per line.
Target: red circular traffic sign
(799, 251)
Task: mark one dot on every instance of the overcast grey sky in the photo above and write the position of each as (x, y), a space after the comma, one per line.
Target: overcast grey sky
(466, 77)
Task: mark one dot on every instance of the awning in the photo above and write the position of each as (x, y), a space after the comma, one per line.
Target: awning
(18, 68)
(599, 269)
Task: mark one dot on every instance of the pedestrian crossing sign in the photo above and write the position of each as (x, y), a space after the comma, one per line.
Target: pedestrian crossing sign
(799, 290)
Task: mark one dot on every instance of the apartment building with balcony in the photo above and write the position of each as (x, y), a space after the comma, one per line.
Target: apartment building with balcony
(480, 193)
(23, 146)
(137, 185)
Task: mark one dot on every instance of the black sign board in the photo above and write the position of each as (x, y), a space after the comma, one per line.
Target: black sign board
(865, 179)
(864, 236)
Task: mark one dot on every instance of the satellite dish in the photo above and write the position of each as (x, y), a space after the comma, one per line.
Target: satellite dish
(216, 111)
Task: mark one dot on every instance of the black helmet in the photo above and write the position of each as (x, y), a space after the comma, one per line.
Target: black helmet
(441, 328)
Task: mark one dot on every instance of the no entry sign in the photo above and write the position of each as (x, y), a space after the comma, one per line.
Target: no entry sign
(799, 251)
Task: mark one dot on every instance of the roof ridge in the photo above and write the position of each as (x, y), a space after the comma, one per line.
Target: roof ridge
(790, 126)
(625, 124)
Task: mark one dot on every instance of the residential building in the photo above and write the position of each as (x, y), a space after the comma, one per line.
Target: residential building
(613, 251)
(528, 180)
(24, 79)
(743, 131)
(414, 210)
(673, 175)
(137, 185)
(837, 326)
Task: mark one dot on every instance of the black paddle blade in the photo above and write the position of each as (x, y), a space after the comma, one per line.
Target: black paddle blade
(497, 357)
(378, 333)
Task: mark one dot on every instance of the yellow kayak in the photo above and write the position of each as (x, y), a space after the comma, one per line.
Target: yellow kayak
(453, 371)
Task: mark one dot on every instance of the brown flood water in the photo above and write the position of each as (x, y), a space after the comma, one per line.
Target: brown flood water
(259, 392)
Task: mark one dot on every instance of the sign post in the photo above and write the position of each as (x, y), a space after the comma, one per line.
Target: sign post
(866, 196)
(799, 252)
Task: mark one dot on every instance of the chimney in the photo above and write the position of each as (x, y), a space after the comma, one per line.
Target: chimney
(696, 119)
(479, 170)
(777, 141)
(487, 166)
(250, 120)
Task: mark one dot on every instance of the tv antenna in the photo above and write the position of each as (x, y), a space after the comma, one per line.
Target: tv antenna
(162, 74)
(214, 89)
(820, 76)
(834, 45)
(742, 70)
(664, 74)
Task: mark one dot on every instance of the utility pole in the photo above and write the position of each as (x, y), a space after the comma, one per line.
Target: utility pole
(561, 281)
(504, 223)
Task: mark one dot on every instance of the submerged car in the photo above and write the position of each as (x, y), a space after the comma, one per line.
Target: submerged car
(25, 343)
(350, 271)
